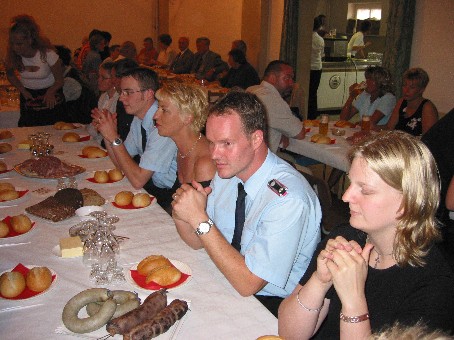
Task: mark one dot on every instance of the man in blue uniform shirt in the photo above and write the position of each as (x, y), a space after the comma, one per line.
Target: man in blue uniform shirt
(282, 213)
(156, 170)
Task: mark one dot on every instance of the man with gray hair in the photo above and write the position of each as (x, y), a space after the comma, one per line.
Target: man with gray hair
(207, 64)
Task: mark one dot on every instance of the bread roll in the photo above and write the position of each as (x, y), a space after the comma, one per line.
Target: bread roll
(5, 134)
(67, 126)
(3, 166)
(6, 186)
(70, 137)
(96, 153)
(101, 176)
(87, 149)
(164, 276)
(152, 262)
(4, 229)
(5, 147)
(270, 337)
(324, 140)
(141, 200)
(124, 198)
(12, 284)
(39, 279)
(8, 195)
(21, 223)
(58, 125)
(115, 175)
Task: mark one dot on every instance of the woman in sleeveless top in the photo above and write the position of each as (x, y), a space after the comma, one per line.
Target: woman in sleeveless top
(181, 116)
(413, 113)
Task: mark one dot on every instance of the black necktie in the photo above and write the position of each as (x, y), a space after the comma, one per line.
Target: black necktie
(240, 215)
(144, 138)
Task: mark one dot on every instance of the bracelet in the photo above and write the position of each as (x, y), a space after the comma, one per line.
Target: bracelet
(307, 308)
(354, 319)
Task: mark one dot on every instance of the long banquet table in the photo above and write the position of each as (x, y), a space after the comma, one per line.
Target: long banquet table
(216, 309)
(334, 155)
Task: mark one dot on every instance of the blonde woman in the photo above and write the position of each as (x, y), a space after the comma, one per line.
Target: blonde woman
(385, 266)
(181, 116)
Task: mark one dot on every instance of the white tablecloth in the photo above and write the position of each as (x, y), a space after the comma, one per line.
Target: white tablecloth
(217, 311)
(334, 155)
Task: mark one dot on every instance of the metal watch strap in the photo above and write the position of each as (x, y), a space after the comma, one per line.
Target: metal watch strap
(199, 232)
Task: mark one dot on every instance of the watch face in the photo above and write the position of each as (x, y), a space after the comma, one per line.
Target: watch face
(117, 141)
(204, 227)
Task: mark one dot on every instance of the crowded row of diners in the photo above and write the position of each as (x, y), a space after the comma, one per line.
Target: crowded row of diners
(214, 167)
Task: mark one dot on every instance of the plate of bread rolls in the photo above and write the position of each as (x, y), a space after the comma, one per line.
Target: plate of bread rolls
(15, 226)
(26, 282)
(155, 272)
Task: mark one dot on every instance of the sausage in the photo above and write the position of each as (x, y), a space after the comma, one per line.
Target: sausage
(153, 304)
(160, 324)
(126, 301)
(71, 310)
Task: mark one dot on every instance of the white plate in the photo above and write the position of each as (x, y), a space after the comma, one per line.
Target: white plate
(17, 200)
(13, 239)
(183, 267)
(29, 266)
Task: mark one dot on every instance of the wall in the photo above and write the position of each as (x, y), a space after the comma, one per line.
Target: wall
(432, 49)
(66, 22)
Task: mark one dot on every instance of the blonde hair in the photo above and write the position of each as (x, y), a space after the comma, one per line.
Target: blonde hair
(416, 332)
(190, 100)
(406, 164)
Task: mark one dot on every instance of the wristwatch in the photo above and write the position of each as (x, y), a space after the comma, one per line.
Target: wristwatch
(204, 227)
(117, 141)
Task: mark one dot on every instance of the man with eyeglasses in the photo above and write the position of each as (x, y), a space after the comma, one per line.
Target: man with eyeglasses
(156, 169)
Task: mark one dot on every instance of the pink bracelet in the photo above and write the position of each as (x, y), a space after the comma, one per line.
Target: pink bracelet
(354, 319)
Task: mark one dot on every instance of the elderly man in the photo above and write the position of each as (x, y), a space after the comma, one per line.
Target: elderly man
(184, 59)
(207, 64)
(278, 83)
(264, 241)
(156, 171)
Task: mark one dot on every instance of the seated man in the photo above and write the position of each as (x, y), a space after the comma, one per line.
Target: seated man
(207, 64)
(156, 171)
(184, 59)
(276, 206)
(278, 83)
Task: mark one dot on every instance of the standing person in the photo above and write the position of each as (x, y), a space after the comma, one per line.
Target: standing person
(413, 113)
(264, 241)
(156, 171)
(241, 73)
(282, 124)
(166, 53)
(92, 61)
(385, 267)
(181, 116)
(356, 45)
(148, 54)
(41, 77)
(183, 61)
(318, 46)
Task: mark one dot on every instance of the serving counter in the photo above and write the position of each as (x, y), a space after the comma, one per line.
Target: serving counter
(216, 309)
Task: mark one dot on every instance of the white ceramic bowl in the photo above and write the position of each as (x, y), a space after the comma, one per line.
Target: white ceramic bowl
(83, 212)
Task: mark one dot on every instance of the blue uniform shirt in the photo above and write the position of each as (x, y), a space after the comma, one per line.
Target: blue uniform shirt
(160, 153)
(384, 104)
(280, 233)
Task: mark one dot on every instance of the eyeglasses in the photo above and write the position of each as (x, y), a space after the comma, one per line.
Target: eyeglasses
(127, 93)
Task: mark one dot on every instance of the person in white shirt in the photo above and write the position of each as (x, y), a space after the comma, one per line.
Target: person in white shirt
(318, 46)
(356, 45)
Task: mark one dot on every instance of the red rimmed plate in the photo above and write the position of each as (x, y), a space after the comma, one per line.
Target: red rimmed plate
(12, 233)
(22, 193)
(82, 139)
(138, 280)
(28, 294)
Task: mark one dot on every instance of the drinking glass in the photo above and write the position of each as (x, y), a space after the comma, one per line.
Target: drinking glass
(365, 123)
(323, 125)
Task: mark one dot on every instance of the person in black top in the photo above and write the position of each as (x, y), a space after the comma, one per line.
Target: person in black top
(241, 73)
(383, 267)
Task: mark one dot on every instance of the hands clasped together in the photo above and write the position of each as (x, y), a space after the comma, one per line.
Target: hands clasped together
(344, 264)
(189, 203)
(105, 122)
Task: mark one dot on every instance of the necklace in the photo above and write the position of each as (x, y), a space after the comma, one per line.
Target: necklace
(377, 259)
(192, 148)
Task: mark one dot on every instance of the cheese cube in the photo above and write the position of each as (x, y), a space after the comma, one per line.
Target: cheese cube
(71, 247)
